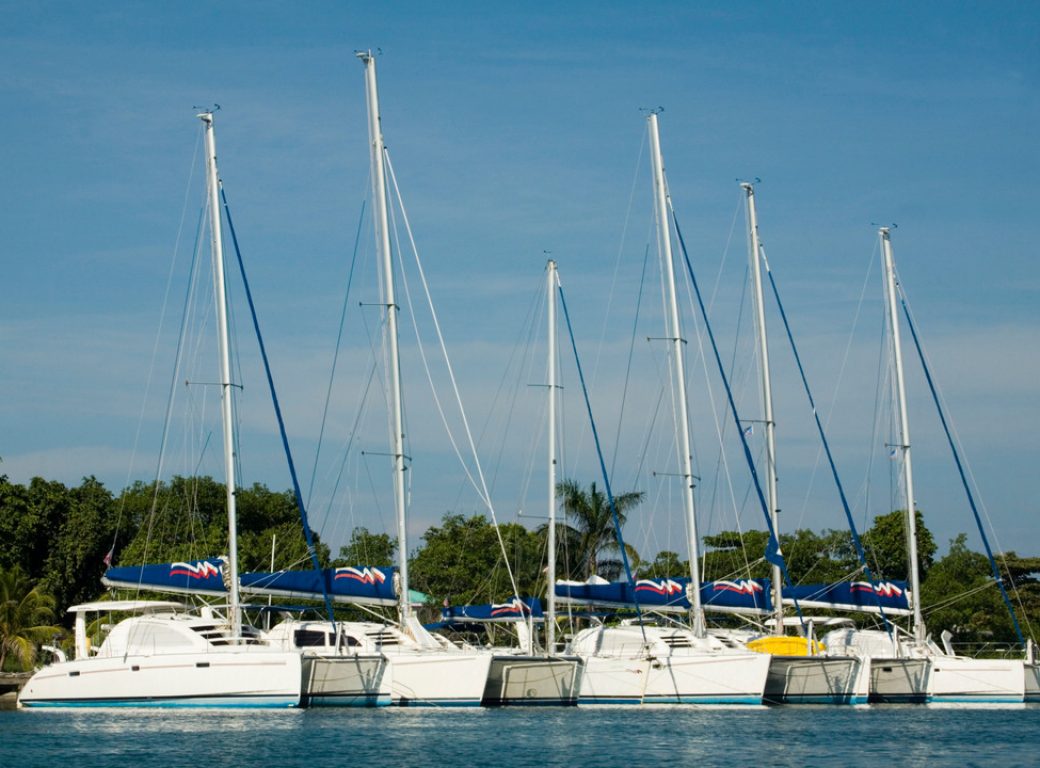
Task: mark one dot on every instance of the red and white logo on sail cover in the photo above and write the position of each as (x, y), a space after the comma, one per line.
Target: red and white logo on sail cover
(743, 586)
(200, 570)
(665, 587)
(364, 575)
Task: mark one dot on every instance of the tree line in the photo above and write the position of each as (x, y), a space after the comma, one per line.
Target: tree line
(56, 542)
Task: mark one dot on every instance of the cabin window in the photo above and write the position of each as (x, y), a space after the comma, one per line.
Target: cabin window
(309, 638)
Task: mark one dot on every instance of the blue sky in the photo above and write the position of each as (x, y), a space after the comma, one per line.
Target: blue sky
(516, 131)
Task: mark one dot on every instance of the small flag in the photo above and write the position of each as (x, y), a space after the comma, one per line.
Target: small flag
(108, 557)
(749, 430)
(893, 454)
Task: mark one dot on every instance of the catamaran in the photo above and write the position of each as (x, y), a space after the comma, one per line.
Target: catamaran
(910, 667)
(800, 670)
(639, 662)
(164, 656)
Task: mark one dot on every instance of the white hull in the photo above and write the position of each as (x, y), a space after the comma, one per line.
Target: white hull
(532, 681)
(331, 680)
(926, 675)
(344, 673)
(818, 680)
(438, 678)
(629, 664)
(957, 679)
(694, 679)
(1032, 677)
(898, 681)
(247, 677)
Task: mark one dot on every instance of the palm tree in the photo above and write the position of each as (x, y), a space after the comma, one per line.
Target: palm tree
(24, 609)
(589, 531)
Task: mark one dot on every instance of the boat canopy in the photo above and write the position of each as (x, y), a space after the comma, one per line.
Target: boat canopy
(515, 609)
(350, 584)
(861, 596)
(196, 577)
(737, 596)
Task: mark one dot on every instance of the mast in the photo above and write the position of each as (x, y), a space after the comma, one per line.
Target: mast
(674, 332)
(550, 625)
(379, 213)
(904, 433)
(754, 251)
(227, 388)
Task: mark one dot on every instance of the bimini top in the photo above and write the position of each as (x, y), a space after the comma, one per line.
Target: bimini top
(129, 606)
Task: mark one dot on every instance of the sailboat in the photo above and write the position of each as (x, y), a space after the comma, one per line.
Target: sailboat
(164, 656)
(522, 675)
(640, 662)
(911, 668)
(423, 669)
(800, 671)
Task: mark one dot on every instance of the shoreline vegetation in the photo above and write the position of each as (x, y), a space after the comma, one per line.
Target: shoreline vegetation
(55, 541)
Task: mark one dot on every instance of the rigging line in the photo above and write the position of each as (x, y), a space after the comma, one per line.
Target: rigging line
(631, 351)
(958, 598)
(278, 415)
(860, 552)
(155, 343)
(335, 355)
(178, 361)
(351, 437)
(603, 467)
(841, 373)
(538, 305)
(426, 367)
(617, 263)
(720, 430)
(773, 551)
(725, 252)
(448, 365)
(514, 391)
(957, 459)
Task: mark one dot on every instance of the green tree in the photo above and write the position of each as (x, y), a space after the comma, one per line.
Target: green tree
(25, 611)
(665, 565)
(589, 530)
(75, 562)
(886, 547)
(366, 548)
(31, 517)
(461, 560)
(186, 519)
(961, 596)
(733, 554)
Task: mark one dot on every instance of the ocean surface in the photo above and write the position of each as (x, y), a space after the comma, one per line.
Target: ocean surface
(582, 738)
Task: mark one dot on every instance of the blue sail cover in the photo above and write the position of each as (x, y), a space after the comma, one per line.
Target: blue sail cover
(196, 577)
(372, 586)
(514, 610)
(739, 596)
(368, 585)
(862, 596)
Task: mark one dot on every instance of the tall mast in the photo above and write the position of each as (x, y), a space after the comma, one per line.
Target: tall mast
(550, 626)
(382, 231)
(904, 433)
(754, 253)
(674, 332)
(227, 388)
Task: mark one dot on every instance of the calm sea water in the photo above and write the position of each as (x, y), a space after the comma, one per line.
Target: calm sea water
(515, 738)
